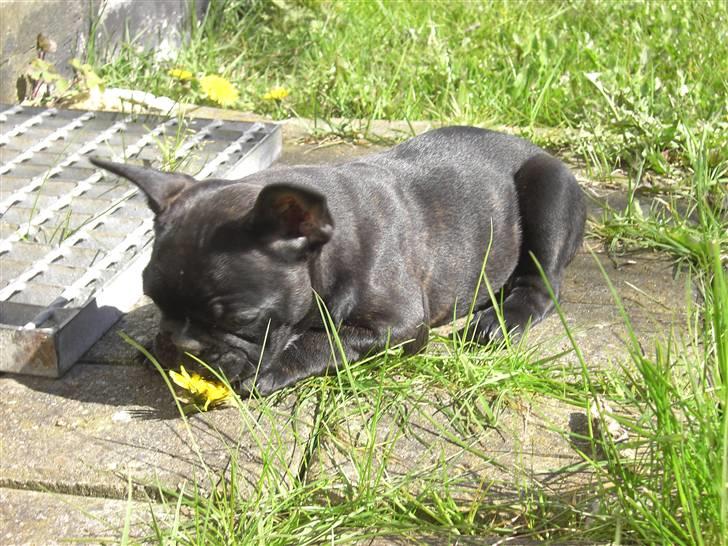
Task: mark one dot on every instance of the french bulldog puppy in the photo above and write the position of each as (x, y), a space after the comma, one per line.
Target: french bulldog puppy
(392, 243)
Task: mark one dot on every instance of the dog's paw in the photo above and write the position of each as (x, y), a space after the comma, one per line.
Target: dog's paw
(485, 326)
(261, 385)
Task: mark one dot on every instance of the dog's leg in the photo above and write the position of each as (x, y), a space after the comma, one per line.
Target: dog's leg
(311, 355)
(553, 214)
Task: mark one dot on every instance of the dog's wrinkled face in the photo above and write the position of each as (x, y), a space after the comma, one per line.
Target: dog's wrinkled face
(218, 300)
(229, 267)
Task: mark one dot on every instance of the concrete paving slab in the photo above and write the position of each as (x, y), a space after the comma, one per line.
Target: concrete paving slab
(140, 324)
(38, 518)
(655, 300)
(87, 432)
(520, 451)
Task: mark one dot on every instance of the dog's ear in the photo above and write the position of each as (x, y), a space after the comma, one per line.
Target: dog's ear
(160, 187)
(292, 218)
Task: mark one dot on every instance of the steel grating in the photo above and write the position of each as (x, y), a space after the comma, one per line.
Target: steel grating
(73, 238)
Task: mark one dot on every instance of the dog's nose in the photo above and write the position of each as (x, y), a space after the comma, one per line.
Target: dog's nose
(186, 344)
(177, 333)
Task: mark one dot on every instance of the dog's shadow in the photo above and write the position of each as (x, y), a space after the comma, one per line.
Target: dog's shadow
(113, 372)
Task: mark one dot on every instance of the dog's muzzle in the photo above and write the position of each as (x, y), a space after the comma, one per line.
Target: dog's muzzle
(234, 360)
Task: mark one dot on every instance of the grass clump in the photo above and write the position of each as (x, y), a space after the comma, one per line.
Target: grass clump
(668, 485)
(393, 447)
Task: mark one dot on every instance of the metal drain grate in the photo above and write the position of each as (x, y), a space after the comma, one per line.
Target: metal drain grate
(74, 239)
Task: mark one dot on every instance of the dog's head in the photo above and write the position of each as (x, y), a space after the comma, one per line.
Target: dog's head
(230, 264)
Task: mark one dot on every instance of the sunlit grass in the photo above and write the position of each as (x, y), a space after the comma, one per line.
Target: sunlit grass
(622, 76)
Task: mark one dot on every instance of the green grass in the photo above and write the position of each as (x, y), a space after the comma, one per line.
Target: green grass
(623, 75)
(692, 227)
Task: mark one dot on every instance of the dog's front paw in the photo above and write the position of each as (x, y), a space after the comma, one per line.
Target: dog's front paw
(262, 385)
(486, 327)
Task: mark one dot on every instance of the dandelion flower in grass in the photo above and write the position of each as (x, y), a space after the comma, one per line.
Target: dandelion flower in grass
(201, 391)
(180, 74)
(277, 93)
(219, 90)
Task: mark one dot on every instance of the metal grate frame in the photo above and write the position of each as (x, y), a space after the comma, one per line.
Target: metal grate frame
(74, 239)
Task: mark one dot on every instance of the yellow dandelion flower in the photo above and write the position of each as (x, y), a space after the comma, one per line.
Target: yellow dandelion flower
(180, 74)
(201, 391)
(277, 93)
(219, 90)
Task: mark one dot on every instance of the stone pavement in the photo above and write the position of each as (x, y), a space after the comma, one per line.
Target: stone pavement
(70, 448)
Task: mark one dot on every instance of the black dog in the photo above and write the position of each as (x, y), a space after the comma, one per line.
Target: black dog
(392, 243)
